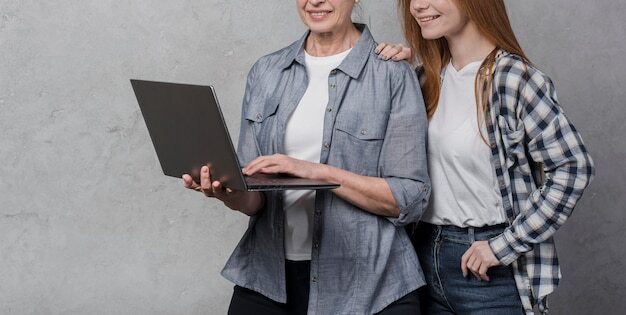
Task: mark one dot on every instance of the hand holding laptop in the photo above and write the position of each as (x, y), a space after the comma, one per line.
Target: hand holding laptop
(238, 199)
(244, 201)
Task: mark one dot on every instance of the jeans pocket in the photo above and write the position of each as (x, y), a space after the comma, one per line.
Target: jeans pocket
(461, 240)
(501, 273)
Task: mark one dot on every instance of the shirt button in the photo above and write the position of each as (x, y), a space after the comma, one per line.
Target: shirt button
(364, 131)
(313, 279)
(259, 116)
(326, 145)
(330, 109)
(334, 71)
(332, 86)
(316, 245)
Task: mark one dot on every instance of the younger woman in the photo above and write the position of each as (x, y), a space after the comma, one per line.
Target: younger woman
(507, 166)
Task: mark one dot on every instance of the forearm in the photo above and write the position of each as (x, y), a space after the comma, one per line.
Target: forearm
(371, 194)
(545, 211)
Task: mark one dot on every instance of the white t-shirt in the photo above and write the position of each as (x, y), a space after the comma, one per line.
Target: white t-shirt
(464, 188)
(303, 140)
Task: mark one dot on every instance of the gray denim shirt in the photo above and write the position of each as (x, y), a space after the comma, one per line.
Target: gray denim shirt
(375, 125)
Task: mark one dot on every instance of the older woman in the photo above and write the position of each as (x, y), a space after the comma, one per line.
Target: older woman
(327, 108)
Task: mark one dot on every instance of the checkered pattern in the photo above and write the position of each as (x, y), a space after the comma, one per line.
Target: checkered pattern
(530, 133)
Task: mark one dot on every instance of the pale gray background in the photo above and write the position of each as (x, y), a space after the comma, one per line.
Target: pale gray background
(89, 225)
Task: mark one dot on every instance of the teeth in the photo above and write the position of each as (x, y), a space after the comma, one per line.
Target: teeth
(429, 18)
(318, 14)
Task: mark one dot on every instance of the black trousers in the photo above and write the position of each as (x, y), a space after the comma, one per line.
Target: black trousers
(248, 302)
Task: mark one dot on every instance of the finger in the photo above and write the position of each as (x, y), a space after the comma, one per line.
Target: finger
(464, 260)
(255, 165)
(405, 53)
(471, 264)
(254, 162)
(389, 52)
(189, 182)
(482, 271)
(206, 182)
(380, 47)
(399, 55)
(218, 190)
(475, 267)
(256, 168)
(205, 178)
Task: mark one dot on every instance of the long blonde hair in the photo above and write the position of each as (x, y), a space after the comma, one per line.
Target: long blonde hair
(492, 21)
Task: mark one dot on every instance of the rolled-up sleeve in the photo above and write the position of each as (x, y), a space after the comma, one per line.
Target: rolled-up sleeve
(403, 161)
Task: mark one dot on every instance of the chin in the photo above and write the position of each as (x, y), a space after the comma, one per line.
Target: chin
(318, 28)
(429, 35)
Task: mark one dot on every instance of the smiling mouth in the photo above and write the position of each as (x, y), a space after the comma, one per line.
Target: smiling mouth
(319, 14)
(428, 18)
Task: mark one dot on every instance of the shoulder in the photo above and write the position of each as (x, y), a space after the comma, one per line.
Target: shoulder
(513, 72)
(274, 60)
(523, 89)
(399, 68)
(398, 73)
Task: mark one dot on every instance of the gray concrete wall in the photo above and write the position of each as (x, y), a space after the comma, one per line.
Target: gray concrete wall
(580, 44)
(89, 225)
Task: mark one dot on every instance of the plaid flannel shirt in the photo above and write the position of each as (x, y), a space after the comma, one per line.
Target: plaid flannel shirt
(529, 133)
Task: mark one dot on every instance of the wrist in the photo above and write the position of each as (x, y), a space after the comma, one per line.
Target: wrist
(503, 250)
(324, 173)
(254, 202)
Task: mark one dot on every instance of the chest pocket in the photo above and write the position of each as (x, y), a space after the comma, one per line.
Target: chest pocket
(261, 115)
(358, 140)
(515, 148)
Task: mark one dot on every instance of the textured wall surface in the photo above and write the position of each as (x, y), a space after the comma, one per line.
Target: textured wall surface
(89, 225)
(580, 44)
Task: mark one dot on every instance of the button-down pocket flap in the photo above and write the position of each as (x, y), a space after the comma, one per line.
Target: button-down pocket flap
(259, 110)
(515, 134)
(362, 126)
(514, 145)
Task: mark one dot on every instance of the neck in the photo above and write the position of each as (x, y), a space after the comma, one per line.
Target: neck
(468, 46)
(332, 43)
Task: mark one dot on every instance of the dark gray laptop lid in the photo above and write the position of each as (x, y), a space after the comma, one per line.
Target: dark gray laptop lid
(187, 129)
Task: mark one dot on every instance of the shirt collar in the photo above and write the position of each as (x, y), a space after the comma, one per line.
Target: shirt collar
(352, 65)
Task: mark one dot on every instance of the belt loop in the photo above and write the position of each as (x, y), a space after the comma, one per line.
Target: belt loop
(437, 233)
(470, 234)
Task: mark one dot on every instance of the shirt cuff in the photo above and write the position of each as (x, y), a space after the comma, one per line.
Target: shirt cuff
(506, 247)
(411, 197)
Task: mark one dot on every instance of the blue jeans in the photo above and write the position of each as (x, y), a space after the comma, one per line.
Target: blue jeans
(440, 249)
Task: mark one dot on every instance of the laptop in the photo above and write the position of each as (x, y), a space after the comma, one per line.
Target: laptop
(188, 131)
